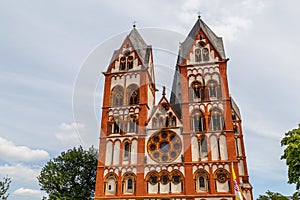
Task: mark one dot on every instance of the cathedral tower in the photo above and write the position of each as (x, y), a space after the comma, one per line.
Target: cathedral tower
(178, 149)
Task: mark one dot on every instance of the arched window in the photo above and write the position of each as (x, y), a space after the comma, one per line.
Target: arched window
(117, 96)
(126, 151)
(201, 181)
(110, 186)
(133, 94)
(122, 63)
(154, 123)
(132, 126)
(110, 128)
(197, 90)
(213, 89)
(160, 121)
(173, 121)
(116, 126)
(203, 148)
(128, 183)
(216, 120)
(197, 121)
(205, 54)
(198, 55)
(222, 180)
(130, 62)
(170, 120)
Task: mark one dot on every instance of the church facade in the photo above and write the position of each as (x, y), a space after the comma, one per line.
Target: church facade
(182, 148)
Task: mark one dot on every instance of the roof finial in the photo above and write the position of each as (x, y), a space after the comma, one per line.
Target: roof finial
(164, 91)
(199, 14)
(134, 24)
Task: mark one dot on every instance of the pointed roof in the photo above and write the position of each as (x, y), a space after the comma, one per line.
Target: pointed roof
(139, 45)
(163, 100)
(216, 41)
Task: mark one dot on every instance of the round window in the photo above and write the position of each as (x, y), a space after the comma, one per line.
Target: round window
(164, 146)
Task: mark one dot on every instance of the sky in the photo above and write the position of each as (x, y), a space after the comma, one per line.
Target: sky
(52, 54)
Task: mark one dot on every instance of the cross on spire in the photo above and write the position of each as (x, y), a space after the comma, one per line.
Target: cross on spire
(134, 24)
(199, 14)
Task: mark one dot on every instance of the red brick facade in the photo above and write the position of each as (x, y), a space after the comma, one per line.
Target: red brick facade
(178, 149)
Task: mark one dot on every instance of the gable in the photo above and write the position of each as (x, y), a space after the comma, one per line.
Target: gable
(163, 116)
(204, 35)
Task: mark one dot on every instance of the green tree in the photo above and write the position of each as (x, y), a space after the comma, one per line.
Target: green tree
(70, 176)
(291, 154)
(4, 186)
(272, 196)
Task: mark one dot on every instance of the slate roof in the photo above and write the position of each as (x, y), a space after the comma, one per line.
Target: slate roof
(139, 45)
(216, 41)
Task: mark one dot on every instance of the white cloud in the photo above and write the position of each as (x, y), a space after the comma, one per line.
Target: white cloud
(20, 172)
(69, 133)
(11, 152)
(67, 137)
(228, 19)
(71, 126)
(28, 193)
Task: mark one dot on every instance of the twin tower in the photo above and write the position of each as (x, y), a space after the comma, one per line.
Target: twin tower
(178, 149)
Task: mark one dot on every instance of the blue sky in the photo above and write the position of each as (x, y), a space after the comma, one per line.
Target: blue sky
(50, 98)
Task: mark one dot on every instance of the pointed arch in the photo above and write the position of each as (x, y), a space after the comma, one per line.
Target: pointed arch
(133, 94)
(117, 96)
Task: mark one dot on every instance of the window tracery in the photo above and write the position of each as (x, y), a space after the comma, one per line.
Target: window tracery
(133, 94)
(117, 96)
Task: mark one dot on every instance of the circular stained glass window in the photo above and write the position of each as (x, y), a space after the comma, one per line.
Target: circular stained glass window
(222, 175)
(164, 146)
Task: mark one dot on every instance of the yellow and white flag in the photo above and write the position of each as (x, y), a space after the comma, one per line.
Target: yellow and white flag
(237, 190)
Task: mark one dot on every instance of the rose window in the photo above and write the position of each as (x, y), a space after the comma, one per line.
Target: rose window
(164, 146)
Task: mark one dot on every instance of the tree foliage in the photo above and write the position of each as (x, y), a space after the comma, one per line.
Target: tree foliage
(71, 175)
(4, 186)
(292, 156)
(272, 196)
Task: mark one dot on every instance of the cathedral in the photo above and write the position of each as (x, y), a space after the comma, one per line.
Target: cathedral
(188, 147)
